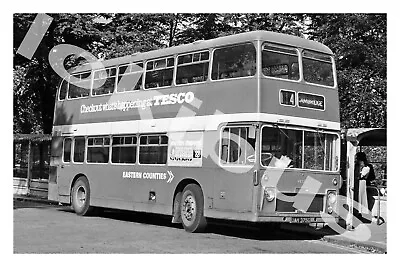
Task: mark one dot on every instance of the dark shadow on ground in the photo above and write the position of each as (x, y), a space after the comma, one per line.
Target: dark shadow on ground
(261, 232)
(243, 230)
(24, 204)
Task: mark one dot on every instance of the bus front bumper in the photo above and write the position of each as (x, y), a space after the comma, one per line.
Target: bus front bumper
(298, 218)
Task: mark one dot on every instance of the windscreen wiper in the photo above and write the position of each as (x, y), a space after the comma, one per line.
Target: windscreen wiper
(319, 138)
(276, 126)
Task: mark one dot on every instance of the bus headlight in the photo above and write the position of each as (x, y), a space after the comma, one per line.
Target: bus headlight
(269, 194)
(332, 198)
(331, 201)
(330, 209)
(334, 181)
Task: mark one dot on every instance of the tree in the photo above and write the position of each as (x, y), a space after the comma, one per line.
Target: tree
(38, 85)
(25, 119)
(359, 42)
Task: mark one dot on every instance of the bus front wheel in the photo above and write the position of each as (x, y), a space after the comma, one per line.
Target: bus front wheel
(81, 197)
(192, 209)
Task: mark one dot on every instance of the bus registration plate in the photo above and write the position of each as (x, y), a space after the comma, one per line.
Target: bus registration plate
(302, 220)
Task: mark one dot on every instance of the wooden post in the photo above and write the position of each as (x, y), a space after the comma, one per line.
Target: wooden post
(14, 151)
(351, 187)
(41, 160)
(29, 173)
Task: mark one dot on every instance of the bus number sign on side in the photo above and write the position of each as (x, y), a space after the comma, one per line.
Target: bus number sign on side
(287, 98)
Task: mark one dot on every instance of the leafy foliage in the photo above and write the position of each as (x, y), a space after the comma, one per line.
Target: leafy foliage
(358, 40)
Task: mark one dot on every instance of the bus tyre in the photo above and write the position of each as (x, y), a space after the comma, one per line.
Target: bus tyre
(192, 209)
(81, 197)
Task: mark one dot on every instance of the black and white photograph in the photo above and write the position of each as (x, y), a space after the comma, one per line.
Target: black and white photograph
(199, 132)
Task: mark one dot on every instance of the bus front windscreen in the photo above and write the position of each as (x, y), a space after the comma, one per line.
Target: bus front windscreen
(301, 149)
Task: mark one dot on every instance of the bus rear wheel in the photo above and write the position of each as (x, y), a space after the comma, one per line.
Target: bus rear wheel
(192, 209)
(81, 197)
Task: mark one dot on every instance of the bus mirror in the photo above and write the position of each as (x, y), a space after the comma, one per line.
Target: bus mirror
(252, 132)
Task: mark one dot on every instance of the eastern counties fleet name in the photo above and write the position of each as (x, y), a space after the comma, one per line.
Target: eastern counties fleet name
(145, 175)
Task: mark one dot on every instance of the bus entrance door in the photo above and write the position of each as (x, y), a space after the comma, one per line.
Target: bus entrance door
(234, 179)
(234, 190)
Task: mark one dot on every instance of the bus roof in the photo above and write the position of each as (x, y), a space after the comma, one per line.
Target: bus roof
(206, 44)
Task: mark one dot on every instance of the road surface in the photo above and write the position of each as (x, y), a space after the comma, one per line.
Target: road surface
(42, 228)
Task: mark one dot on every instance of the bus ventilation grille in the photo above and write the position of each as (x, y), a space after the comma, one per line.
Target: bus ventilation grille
(317, 204)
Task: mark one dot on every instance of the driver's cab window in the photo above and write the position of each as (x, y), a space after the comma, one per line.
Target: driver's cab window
(281, 148)
(237, 145)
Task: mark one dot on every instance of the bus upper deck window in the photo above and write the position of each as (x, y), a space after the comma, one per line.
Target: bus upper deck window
(104, 81)
(63, 89)
(79, 85)
(130, 77)
(192, 68)
(317, 68)
(159, 73)
(280, 62)
(234, 61)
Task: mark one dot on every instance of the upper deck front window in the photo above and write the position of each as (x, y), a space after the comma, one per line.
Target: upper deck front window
(234, 61)
(280, 62)
(317, 68)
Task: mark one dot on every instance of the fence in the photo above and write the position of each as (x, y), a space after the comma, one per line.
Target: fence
(31, 164)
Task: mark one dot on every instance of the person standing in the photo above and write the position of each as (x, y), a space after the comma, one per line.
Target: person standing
(364, 171)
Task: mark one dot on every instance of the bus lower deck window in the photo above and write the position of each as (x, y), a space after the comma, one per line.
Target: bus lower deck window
(67, 150)
(79, 149)
(237, 146)
(153, 149)
(98, 149)
(124, 149)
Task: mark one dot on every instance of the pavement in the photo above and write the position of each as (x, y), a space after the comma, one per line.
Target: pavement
(369, 236)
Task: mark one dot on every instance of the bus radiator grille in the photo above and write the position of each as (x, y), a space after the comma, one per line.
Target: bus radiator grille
(317, 204)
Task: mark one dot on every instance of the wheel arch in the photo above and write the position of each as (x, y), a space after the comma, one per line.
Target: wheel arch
(179, 189)
(73, 183)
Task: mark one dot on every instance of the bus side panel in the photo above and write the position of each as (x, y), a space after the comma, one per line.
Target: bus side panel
(53, 192)
(208, 99)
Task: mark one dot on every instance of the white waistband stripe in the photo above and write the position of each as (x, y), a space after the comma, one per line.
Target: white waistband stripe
(195, 123)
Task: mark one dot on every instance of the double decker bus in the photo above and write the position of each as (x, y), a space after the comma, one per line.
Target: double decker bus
(242, 127)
